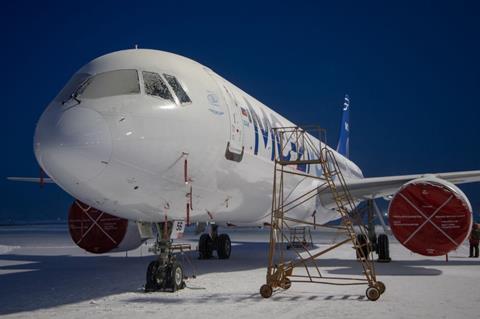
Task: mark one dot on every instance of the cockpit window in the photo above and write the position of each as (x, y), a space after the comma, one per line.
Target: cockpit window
(154, 85)
(177, 88)
(72, 85)
(118, 82)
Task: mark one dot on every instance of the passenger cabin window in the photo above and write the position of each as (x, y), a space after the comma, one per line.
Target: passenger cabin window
(118, 82)
(154, 85)
(177, 88)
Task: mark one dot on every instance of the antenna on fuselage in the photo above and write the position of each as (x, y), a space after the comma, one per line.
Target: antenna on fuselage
(136, 46)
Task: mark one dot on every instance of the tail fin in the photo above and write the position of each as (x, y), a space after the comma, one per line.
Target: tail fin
(344, 139)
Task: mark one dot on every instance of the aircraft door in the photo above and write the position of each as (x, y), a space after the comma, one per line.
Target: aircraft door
(234, 150)
(236, 126)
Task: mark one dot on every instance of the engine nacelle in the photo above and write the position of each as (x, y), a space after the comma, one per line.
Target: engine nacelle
(98, 232)
(430, 216)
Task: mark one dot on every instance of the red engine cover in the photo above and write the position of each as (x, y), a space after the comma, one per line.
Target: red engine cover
(430, 218)
(93, 230)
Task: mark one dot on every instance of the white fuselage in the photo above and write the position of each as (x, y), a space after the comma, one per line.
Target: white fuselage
(129, 154)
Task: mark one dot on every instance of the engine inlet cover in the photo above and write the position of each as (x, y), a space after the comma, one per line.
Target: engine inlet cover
(430, 217)
(93, 230)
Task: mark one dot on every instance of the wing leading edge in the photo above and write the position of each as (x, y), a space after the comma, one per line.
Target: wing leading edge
(375, 187)
(45, 180)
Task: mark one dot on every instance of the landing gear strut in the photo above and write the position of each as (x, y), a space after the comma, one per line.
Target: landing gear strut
(165, 273)
(210, 242)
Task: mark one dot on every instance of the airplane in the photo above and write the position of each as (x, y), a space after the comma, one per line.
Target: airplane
(146, 139)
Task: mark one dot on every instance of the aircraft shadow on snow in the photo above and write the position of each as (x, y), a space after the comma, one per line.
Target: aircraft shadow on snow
(43, 281)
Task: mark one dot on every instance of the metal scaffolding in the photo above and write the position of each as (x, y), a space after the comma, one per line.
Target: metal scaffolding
(310, 145)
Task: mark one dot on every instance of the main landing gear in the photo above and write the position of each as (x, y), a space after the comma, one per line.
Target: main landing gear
(378, 244)
(165, 273)
(210, 242)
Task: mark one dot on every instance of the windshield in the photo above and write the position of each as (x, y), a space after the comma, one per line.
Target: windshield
(154, 85)
(118, 82)
(72, 85)
(177, 88)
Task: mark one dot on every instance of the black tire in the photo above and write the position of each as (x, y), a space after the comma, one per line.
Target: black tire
(266, 291)
(374, 243)
(205, 247)
(380, 286)
(152, 283)
(362, 246)
(383, 248)
(286, 284)
(372, 293)
(176, 277)
(224, 246)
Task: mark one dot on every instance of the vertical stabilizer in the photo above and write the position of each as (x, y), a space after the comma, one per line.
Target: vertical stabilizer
(344, 139)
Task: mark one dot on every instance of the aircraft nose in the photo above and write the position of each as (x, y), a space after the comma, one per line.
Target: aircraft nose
(72, 146)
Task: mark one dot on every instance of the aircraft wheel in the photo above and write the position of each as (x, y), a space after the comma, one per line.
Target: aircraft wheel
(177, 277)
(362, 249)
(266, 291)
(383, 248)
(205, 246)
(372, 293)
(224, 246)
(152, 283)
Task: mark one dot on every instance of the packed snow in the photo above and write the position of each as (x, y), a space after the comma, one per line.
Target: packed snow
(43, 275)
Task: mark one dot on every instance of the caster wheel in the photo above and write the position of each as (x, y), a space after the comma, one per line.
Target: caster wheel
(372, 293)
(380, 286)
(286, 284)
(266, 291)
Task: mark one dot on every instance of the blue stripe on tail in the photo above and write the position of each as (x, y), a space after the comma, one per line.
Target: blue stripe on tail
(344, 139)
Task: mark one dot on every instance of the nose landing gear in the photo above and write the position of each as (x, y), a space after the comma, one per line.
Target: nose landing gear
(165, 273)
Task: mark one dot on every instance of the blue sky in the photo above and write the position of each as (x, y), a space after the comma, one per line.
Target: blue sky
(412, 70)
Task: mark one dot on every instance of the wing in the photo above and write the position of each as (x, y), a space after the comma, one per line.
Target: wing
(39, 180)
(375, 187)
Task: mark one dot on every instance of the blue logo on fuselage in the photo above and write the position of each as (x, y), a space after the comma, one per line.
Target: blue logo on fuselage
(264, 126)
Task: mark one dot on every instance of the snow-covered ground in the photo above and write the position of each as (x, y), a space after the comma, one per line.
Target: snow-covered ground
(43, 275)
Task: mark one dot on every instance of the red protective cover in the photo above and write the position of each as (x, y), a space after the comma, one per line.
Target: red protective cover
(429, 218)
(93, 230)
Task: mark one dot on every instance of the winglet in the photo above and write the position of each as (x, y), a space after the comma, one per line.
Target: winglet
(344, 139)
